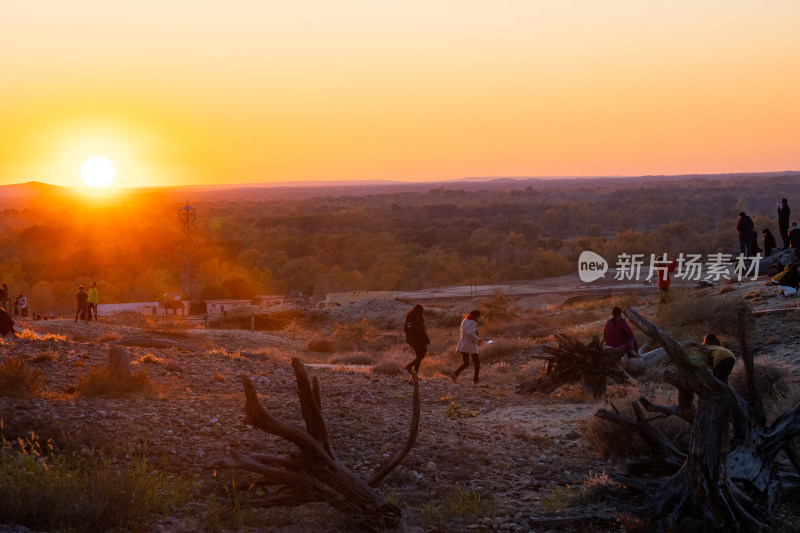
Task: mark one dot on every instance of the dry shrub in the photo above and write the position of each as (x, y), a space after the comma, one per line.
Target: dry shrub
(104, 382)
(108, 337)
(727, 288)
(387, 368)
(503, 348)
(218, 378)
(44, 356)
(320, 344)
(610, 440)
(149, 359)
(498, 373)
(18, 381)
(773, 378)
(691, 316)
(352, 359)
(172, 367)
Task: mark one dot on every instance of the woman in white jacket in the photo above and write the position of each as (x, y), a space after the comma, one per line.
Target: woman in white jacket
(468, 345)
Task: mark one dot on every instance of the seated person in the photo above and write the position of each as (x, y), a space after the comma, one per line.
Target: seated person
(788, 283)
(617, 333)
(720, 360)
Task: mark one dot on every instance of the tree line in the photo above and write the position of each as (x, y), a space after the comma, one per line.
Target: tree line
(398, 241)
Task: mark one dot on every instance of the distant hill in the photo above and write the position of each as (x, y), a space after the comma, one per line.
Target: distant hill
(25, 194)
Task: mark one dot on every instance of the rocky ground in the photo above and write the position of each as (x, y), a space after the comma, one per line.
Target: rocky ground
(486, 458)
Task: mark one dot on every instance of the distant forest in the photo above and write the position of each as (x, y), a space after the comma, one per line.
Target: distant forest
(134, 247)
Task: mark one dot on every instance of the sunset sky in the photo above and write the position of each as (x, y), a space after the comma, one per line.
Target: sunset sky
(178, 92)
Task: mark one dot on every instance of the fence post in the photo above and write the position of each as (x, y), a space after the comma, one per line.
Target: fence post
(205, 320)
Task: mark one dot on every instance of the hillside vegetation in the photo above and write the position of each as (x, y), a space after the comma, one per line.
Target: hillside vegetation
(134, 247)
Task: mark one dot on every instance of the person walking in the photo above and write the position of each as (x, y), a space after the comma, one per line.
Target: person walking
(720, 360)
(783, 221)
(94, 299)
(82, 300)
(416, 337)
(468, 345)
(745, 228)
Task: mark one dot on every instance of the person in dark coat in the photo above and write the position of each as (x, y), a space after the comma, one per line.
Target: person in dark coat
(745, 228)
(82, 301)
(416, 337)
(6, 323)
(794, 236)
(769, 242)
(783, 221)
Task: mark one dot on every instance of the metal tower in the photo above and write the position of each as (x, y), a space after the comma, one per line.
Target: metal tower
(188, 219)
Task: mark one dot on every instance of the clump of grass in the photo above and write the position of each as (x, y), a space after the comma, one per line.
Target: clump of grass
(108, 337)
(605, 436)
(454, 411)
(218, 378)
(558, 498)
(322, 345)
(44, 356)
(105, 382)
(691, 315)
(224, 353)
(503, 348)
(46, 491)
(352, 359)
(464, 501)
(17, 380)
(149, 359)
(773, 377)
(387, 368)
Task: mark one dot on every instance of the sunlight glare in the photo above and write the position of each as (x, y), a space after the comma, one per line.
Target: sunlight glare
(97, 172)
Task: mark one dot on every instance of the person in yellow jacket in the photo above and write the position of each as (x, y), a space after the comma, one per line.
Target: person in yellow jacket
(94, 299)
(720, 360)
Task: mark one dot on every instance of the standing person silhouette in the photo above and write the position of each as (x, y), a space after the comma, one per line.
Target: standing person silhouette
(783, 221)
(82, 300)
(94, 299)
(468, 345)
(416, 337)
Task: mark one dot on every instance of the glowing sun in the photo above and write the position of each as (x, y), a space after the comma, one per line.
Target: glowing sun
(97, 172)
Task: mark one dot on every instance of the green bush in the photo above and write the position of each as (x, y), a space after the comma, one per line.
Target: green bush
(46, 491)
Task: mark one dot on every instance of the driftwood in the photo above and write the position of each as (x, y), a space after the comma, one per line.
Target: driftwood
(315, 474)
(637, 366)
(572, 361)
(728, 480)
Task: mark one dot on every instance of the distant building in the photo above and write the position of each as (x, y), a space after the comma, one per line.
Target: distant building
(268, 300)
(217, 307)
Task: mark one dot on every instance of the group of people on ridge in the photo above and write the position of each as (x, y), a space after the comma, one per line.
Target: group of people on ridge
(748, 238)
(417, 338)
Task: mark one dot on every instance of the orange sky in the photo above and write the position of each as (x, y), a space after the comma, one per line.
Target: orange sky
(178, 92)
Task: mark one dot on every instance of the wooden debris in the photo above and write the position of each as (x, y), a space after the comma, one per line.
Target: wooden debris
(571, 361)
(728, 481)
(315, 474)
